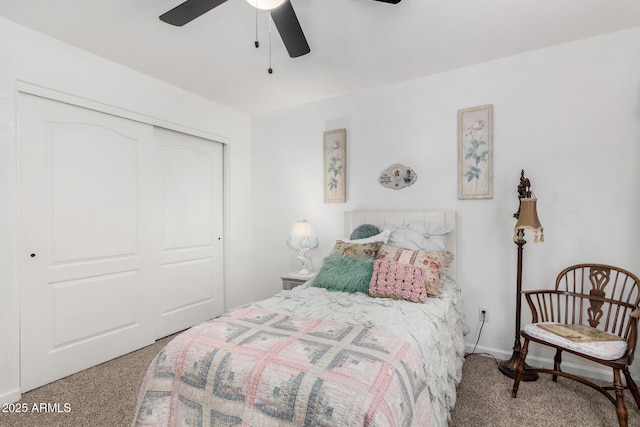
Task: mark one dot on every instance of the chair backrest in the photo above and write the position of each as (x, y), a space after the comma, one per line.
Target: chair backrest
(601, 296)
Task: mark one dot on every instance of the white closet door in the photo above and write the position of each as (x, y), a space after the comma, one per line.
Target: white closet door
(189, 214)
(85, 263)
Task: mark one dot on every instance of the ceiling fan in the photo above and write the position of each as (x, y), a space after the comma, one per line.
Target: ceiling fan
(282, 13)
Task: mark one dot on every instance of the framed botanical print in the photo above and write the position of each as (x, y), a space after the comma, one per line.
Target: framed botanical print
(475, 152)
(335, 153)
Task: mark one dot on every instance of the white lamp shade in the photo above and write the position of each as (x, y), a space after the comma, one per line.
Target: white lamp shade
(302, 236)
(265, 4)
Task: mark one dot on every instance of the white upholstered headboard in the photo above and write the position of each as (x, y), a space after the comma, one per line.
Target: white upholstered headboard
(388, 219)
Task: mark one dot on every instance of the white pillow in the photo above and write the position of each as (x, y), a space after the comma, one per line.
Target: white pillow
(421, 236)
(381, 237)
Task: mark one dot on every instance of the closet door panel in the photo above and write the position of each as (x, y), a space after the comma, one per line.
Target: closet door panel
(85, 180)
(190, 215)
(93, 192)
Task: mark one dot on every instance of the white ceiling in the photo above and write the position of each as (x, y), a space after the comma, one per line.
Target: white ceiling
(355, 44)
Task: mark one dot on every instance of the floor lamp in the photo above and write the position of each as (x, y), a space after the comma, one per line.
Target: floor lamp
(527, 217)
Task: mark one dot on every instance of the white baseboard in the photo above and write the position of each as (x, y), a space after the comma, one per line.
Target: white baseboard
(587, 370)
(10, 396)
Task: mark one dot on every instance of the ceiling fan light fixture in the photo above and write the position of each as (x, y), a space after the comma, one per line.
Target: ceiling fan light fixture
(265, 4)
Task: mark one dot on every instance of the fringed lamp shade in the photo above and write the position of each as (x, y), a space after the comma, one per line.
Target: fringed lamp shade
(528, 219)
(302, 239)
(302, 236)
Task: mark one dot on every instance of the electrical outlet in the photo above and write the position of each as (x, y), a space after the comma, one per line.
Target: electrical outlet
(483, 314)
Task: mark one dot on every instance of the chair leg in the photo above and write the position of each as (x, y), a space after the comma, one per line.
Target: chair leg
(557, 360)
(520, 368)
(632, 386)
(621, 410)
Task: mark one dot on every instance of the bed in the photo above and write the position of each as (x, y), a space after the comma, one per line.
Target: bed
(318, 356)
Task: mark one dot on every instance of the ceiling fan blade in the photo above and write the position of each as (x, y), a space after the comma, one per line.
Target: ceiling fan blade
(290, 30)
(188, 11)
(389, 1)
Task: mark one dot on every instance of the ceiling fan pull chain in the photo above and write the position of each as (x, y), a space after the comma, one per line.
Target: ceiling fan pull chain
(256, 43)
(270, 70)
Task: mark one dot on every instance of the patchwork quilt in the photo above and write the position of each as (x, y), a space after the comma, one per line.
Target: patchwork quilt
(255, 367)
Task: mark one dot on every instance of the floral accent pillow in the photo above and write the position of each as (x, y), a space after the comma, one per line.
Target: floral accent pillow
(434, 263)
(356, 250)
(394, 280)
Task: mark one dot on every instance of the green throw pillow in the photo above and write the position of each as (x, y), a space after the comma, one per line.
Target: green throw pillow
(345, 274)
(363, 231)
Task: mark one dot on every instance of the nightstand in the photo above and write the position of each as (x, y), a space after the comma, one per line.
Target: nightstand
(291, 280)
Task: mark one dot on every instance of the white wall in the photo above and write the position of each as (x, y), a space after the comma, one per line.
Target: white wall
(28, 56)
(568, 115)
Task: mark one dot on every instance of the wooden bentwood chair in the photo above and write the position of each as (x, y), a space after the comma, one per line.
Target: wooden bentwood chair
(602, 298)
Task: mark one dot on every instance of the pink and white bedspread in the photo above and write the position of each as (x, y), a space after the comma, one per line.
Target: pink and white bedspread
(255, 367)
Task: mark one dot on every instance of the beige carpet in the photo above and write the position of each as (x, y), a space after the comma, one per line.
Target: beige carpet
(105, 396)
(484, 399)
(102, 396)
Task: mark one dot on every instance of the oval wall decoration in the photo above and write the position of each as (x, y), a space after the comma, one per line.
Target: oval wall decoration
(397, 176)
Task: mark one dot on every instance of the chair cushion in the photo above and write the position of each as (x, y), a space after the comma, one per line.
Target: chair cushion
(606, 350)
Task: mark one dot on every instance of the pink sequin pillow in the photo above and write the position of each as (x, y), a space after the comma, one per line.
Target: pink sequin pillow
(394, 280)
(400, 272)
